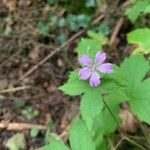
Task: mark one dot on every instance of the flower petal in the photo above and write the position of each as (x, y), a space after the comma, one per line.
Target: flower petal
(105, 68)
(85, 73)
(94, 79)
(85, 60)
(100, 57)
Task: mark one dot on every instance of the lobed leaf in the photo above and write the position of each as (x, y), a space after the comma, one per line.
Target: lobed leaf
(139, 7)
(91, 45)
(79, 136)
(137, 90)
(91, 105)
(141, 37)
(55, 145)
(74, 86)
(140, 101)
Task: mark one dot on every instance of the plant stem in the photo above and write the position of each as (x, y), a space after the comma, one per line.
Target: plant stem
(134, 143)
(110, 112)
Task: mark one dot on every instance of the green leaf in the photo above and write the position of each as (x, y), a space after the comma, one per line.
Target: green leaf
(42, 26)
(47, 137)
(75, 22)
(91, 105)
(19, 103)
(79, 136)
(53, 20)
(137, 90)
(61, 22)
(135, 67)
(140, 101)
(88, 46)
(100, 142)
(52, 2)
(97, 36)
(34, 132)
(91, 45)
(140, 6)
(74, 86)
(107, 120)
(55, 145)
(118, 77)
(61, 38)
(103, 29)
(8, 31)
(16, 142)
(140, 37)
(90, 3)
(103, 119)
(72, 22)
(83, 20)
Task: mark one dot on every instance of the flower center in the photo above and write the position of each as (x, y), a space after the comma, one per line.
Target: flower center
(93, 67)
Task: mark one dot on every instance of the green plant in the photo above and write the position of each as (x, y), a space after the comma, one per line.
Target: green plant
(16, 142)
(30, 113)
(80, 141)
(99, 106)
(34, 132)
(75, 22)
(141, 38)
(139, 7)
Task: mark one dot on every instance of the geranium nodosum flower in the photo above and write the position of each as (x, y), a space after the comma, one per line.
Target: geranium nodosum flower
(92, 68)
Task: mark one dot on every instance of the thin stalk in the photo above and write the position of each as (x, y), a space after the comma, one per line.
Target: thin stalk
(134, 143)
(110, 112)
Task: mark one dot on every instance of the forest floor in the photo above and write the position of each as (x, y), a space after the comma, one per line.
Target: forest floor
(34, 63)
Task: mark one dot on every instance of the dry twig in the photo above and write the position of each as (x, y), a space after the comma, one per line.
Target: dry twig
(14, 89)
(116, 31)
(20, 126)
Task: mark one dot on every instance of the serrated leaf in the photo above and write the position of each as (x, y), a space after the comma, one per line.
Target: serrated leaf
(140, 37)
(92, 45)
(74, 86)
(16, 142)
(97, 36)
(91, 105)
(55, 145)
(139, 7)
(88, 46)
(103, 119)
(140, 101)
(118, 77)
(79, 136)
(107, 120)
(135, 68)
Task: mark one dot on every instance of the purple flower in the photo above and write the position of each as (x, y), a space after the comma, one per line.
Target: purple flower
(92, 68)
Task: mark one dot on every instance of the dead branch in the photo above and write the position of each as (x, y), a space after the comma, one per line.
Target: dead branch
(116, 31)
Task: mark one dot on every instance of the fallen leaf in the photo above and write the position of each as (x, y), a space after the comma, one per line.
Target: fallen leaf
(34, 53)
(10, 4)
(16, 142)
(3, 83)
(129, 122)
